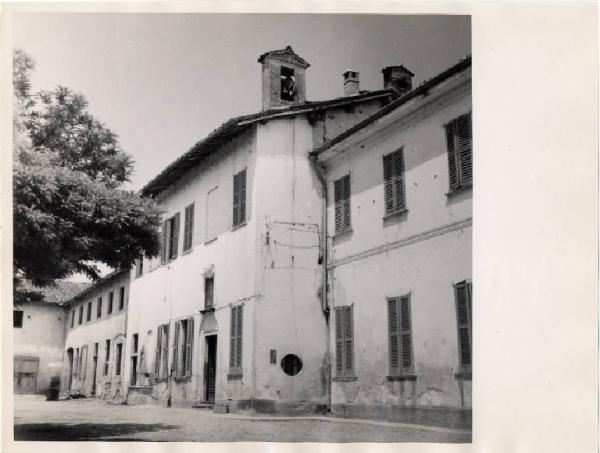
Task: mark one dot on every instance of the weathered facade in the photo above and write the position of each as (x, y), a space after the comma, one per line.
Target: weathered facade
(95, 325)
(39, 336)
(400, 217)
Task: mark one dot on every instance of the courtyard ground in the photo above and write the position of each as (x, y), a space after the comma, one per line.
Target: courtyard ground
(97, 420)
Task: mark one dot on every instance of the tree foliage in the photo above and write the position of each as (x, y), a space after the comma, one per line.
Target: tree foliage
(70, 208)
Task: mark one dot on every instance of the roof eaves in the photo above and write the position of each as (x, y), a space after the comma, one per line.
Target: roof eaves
(421, 89)
(97, 284)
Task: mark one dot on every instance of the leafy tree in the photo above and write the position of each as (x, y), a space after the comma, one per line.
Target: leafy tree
(70, 208)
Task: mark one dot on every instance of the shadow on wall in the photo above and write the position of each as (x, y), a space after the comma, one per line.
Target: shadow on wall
(85, 431)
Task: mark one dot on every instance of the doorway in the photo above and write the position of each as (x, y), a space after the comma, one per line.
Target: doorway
(25, 374)
(211, 368)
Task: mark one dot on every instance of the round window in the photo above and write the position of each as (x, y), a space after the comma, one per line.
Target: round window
(291, 364)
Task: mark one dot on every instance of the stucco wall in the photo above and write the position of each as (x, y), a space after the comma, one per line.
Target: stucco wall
(42, 336)
(174, 291)
(97, 330)
(421, 252)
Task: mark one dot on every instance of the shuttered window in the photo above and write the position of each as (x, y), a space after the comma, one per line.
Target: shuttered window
(121, 298)
(162, 352)
(393, 175)
(235, 347)
(209, 292)
(342, 204)
(462, 296)
(184, 340)
(119, 357)
(99, 308)
(88, 316)
(239, 198)
(460, 152)
(344, 338)
(400, 336)
(106, 357)
(80, 314)
(170, 239)
(111, 298)
(188, 227)
(72, 318)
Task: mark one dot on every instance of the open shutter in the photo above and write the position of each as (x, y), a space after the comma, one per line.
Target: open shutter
(163, 243)
(189, 347)
(452, 161)
(399, 192)
(348, 339)
(233, 342)
(342, 203)
(164, 357)
(393, 328)
(175, 236)
(174, 350)
(463, 322)
(406, 335)
(464, 147)
(346, 202)
(238, 349)
(242, 196)
(239, 198)
(388, 184)
(339, 342)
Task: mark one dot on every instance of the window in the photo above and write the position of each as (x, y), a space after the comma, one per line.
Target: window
(161, 369)
(170, 239)
(342, 204)
(111, 297)
(344, 338)
(119, 353)
(139, 267)
(121, 298)
(235, 347)
(184, 341)
(209, 292)
(462, 297)
(72, 318)
(107, 357)
(288, 84)
(239, 198)
(400, 336)
(18, 319)
(212, 214)
(188, 227)
(99, 308)
(393, 175)
(88, 316)
(80, 314)
(460, 152)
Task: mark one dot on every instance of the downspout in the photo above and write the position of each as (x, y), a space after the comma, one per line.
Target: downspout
(324, 274)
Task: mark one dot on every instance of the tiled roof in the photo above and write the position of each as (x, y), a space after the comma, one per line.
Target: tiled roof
(420, 90)
(97, 284)
(201, 150)
(59, 293)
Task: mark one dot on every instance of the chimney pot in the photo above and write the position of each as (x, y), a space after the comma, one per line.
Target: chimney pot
(397, 78)
(351, 83)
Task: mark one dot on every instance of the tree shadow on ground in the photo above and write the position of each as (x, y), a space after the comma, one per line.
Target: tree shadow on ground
(85, 431)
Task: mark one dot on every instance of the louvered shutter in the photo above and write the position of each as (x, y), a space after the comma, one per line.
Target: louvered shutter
(464, 147)
(163, 244)
(342, 203)
(339, 342)
(463, 315)
(242, 192)
(175, 236)
(239, 198)
(188, 228)
(165, 351)
(393, 175)
(452, 161)
(238, 350)
(233, 340)
(175, 350)
(189, 347)
(406, 335)
(348, 340)
(393, 328)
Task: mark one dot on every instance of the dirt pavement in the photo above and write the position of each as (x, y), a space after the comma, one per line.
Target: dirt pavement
(95, 420)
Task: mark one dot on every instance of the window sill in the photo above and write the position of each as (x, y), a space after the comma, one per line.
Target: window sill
(340, 234)
(344, 378)
(160, 380)
(395, 214)
(237, 227)
(463, 376)
(234, 376)
(404, 377)
(210, 241)
(459, 190)
(182, 378)
(207, 310)
(187, 252)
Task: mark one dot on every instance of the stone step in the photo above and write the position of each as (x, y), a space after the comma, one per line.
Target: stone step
(203, 405)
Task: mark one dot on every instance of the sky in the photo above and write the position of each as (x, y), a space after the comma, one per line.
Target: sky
(162, 82)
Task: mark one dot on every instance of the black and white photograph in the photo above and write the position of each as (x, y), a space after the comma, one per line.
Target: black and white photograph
(232, 227)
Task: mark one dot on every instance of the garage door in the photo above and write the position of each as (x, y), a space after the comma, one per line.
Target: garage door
(25, 374)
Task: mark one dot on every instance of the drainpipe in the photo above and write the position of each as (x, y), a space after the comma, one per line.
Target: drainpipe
(325, 279)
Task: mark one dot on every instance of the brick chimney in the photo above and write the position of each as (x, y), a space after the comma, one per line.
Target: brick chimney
(351, 83)
(282, 78)
(397, 78)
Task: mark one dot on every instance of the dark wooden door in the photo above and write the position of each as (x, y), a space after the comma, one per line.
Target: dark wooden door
(25, 374)
(211, 367)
